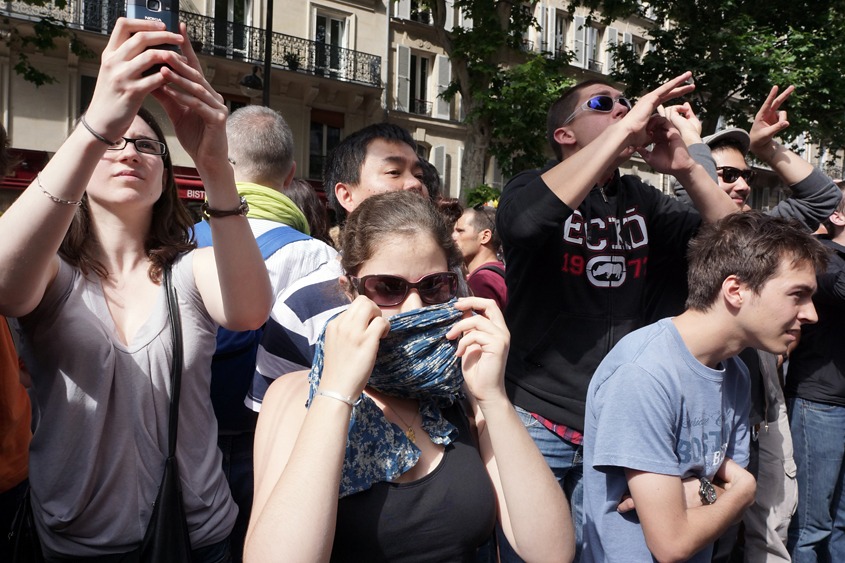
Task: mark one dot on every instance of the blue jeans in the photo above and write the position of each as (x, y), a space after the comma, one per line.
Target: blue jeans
(817, 530)
(565, 460)
(237, 466)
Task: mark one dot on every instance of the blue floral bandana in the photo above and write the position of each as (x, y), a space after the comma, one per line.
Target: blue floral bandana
(414, 361)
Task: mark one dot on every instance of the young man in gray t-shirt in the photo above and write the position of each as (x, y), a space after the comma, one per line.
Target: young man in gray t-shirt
(666, 430)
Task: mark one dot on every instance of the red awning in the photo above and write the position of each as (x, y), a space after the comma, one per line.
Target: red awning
(189, 183)
(30, 163)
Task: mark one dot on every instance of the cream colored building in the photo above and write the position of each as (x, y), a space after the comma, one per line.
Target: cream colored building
(327, 78)
(419, 70)
(338, 65)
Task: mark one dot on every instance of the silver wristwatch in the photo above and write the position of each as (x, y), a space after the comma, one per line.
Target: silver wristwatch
(707, 491)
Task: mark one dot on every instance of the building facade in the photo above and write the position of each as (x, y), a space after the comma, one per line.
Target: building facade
(338, 65)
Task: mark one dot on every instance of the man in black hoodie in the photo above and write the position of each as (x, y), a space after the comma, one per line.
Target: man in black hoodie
(577, 238)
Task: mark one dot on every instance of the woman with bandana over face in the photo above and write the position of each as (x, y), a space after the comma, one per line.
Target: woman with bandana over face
(370, 456)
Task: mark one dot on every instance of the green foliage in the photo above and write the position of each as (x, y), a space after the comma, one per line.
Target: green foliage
(506, 88)
(737, 50)
(46, 31)
(482, 193)
(518, 101)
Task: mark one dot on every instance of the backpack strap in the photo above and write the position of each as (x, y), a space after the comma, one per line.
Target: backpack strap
(202, 234)
(269, 243)
(273, 240)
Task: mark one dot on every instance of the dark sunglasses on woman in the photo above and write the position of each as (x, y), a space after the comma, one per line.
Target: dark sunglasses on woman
(388, 291)
(730, 174)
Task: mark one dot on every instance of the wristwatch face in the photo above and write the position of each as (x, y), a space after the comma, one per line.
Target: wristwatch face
(707, 491)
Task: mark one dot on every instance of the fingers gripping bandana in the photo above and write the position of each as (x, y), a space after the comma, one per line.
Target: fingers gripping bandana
(414, 361)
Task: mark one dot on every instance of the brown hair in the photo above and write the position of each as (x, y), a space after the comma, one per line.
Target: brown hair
(563, 108)
(751, 246)
(386, 216)
(171, 229)
(451, 210)
(307, 200)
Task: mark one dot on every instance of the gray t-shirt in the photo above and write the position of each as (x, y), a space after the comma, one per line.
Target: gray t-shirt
(100, 412)
(653, 407)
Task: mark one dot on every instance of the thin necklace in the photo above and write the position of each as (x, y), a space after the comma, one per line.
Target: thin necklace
(409, 433)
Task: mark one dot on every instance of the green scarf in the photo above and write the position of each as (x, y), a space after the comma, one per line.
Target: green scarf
(267, 203)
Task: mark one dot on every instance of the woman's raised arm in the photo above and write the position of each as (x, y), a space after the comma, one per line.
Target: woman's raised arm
(298, 456)
(231, 275)
(34, 226)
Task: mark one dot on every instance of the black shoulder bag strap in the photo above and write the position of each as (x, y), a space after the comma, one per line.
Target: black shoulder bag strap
(166, 539)
(492, 268)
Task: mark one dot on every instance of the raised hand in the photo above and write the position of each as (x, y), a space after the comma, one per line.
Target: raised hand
(483, 347)
(121, 88)
(352, 340)
(637, 120)
(198, 112)
(669, 154)
(768, 122)
(684, 120)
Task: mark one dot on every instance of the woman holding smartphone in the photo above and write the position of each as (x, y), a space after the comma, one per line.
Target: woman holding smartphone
(81, 265)
(383, 465)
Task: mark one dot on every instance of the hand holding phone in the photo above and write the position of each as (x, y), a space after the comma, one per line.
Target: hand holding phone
(165, 11)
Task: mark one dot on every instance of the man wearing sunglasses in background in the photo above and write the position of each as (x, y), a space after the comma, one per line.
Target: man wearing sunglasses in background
(578, 237)
(476, 237)
(814, 198)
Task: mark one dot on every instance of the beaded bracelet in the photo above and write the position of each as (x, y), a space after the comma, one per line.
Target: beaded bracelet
(338, 396)
(51, 196)
(100, 137)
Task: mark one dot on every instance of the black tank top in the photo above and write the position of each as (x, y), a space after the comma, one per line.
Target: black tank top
(445, 516)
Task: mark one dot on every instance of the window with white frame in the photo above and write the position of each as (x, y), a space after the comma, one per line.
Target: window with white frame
(593, 45)
(330, 38)
(232, 19)
(559, 46)
(419, 79)
(420, 75)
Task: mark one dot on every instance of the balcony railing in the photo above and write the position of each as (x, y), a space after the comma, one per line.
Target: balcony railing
(594, 65)
(421, 107)
(527, 46)
(224, 39)
(421, 16)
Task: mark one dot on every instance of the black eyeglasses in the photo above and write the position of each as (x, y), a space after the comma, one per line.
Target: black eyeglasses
(730, 174)
(601, 104)
(146, 146)
(387, 291)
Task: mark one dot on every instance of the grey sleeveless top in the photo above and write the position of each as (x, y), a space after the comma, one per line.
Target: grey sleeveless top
(99, 416)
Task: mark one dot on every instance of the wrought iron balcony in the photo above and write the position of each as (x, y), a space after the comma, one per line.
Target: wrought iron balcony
(594, 65)
(421, 107)
(224, 39)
